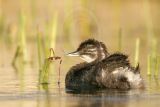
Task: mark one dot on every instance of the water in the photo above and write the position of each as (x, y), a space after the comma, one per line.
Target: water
(21, 89)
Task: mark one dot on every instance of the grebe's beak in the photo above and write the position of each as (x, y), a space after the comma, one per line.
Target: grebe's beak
(75, 53)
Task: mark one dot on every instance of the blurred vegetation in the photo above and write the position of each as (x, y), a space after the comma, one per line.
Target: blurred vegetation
(62, 25)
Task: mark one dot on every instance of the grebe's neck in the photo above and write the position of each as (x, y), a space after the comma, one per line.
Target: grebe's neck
(102, 52)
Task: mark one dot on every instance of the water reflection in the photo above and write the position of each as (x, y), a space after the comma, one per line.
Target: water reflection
(99, 102)
(153, 84)
(104, 98)
(49, 95)
(19, 68)
(46, 97)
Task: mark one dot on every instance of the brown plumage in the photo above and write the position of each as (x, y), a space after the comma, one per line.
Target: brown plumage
(101, 69)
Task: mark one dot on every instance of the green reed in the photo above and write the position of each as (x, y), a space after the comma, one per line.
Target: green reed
(54, 30)
(154, 55)
(157, 65)
(51, 34)
(1, 19)
(152, 40)
(22, 36)
(42, 67)
(153, 59)
(148, 65)
(19, 67)
(137, 51)
(44, 73)
(21, 47)
(50, 42)
(39, 47)
(17, 54)
(1, 25)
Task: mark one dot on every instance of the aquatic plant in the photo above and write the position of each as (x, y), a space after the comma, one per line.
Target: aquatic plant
(21, 51)
(39, 49)
(148, 65)
(44, 73)
(17, 54)
(19, 66)
(157, 65)
(54, 57)
(154, 56)
(137, 51)
(1, 20)
(54, 30)
(22, 36)
(1, 25)
(51, 34)
(153, 59)
(49, 41)
(151, 39)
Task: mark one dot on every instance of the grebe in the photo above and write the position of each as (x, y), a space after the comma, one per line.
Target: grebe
(101, 69)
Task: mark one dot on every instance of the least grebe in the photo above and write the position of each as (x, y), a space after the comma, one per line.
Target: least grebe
(101, 69)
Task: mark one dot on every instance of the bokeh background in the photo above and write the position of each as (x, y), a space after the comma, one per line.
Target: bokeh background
(65, 23)
(29, 28)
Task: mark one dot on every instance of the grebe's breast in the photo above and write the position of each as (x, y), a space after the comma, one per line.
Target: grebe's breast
(81, 76)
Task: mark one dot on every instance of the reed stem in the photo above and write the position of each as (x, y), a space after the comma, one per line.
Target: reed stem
(157, 66)
(44, 73)
(148, 65)
(22, 36)
(39, 49)
(44, 76)
(154, 56)
(17, 53)
(54, 31)
(137, 51)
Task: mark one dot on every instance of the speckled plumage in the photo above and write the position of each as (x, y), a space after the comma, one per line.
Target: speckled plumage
(110, 72)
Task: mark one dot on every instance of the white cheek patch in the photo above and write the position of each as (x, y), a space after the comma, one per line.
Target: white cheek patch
(87, 58)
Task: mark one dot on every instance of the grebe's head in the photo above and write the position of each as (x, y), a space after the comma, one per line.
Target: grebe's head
(90, 50)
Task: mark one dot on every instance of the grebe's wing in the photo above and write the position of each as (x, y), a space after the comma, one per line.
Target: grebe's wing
(116, 60)
(118, 63)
